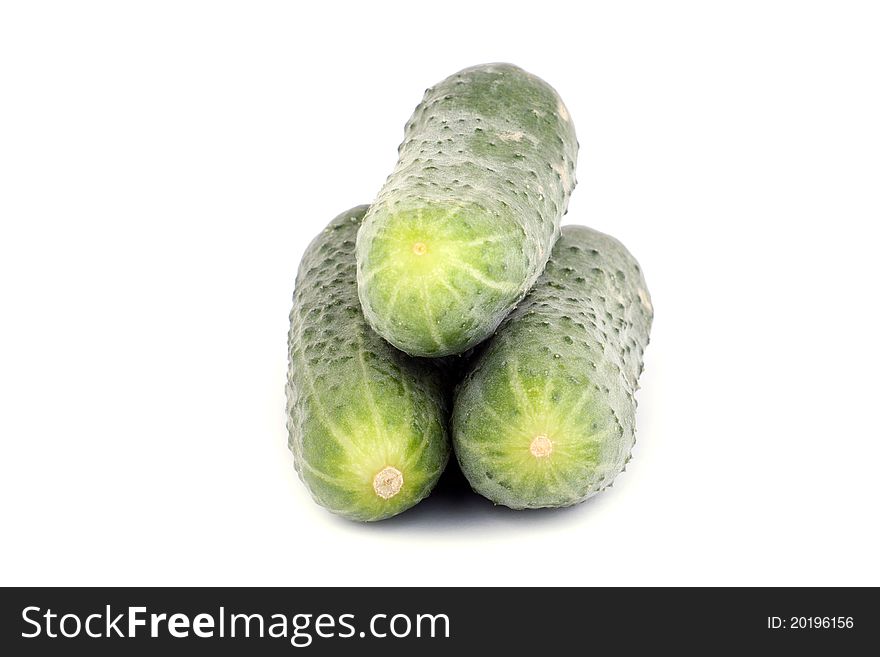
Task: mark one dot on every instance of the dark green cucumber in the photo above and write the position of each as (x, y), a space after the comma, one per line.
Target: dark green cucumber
(465, 223)
(546, 415)
(367, 423)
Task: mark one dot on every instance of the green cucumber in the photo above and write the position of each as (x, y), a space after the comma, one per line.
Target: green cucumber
(464, 225)
(367, 423)
(545, 417)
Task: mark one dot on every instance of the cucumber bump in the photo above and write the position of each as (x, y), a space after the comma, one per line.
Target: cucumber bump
(546, 415)
(465, 223)
(367, 423)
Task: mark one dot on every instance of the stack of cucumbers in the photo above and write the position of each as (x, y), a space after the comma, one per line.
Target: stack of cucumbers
(454, 316)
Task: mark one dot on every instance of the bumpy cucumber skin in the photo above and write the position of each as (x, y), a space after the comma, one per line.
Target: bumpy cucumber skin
(565, 364)
(354, 403)
(484, 175)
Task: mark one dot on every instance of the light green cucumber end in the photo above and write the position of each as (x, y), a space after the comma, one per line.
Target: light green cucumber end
(432, 278)
(370, 466)
(536, 439)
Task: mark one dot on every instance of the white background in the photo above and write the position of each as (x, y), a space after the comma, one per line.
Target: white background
(163, 165)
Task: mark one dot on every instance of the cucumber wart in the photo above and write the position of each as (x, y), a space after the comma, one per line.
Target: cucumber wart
(367, 423)
(545, 417)
(465, 223)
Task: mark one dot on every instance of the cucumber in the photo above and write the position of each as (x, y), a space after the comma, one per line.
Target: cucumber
(545, 417)
(465, 223)
(367, 423)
